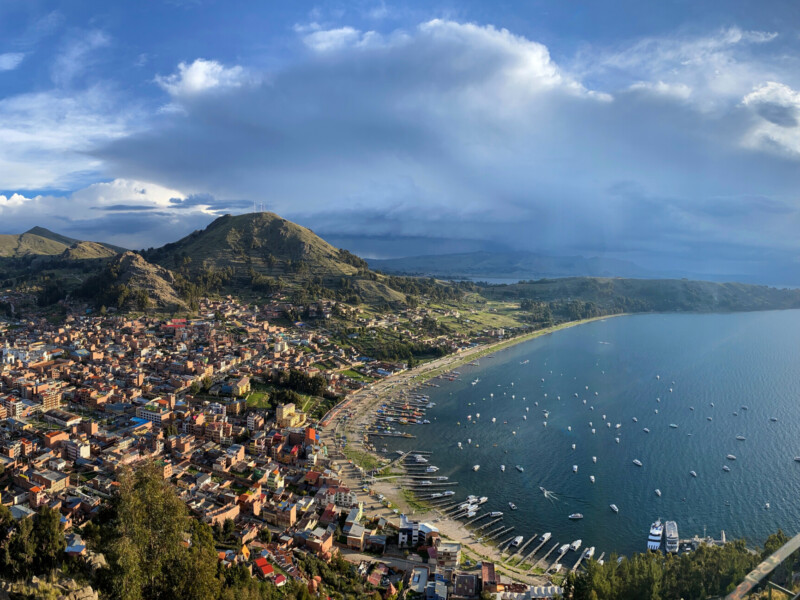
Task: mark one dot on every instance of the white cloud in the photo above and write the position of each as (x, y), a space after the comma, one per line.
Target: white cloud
(777, 110)
(77, 56)
(333, 39)
(46, 136)
(10, 60)
(679, 91)
(202, 76)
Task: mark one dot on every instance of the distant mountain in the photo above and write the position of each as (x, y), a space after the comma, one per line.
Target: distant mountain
(87, 251)
(508, 265)
(262, 250)
(645, 295)
(39, 241)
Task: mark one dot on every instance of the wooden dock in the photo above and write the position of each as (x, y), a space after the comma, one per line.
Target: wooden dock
(532, 552)
(544, 558)
(476, 519)
(521, 550)
(502, 532)
(489, 524)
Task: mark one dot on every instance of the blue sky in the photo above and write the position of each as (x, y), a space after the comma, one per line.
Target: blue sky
(664, 133)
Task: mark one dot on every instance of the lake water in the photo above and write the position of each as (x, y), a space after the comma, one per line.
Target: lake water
(730, 360)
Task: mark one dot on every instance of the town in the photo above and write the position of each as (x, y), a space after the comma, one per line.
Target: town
(231, 406)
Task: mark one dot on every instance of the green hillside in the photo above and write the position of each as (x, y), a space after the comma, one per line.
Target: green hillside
(262, 252)
(87, 251)
(643, 295)
(29, 244)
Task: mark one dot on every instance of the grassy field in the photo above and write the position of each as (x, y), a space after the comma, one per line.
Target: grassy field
(258, 400)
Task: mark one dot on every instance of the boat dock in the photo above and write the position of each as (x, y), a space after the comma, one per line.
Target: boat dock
(499, 533)
(544, 558)
(506, 543)
(489, 524)
(578, 562)
(476, 519)
(521, 550)
(532, 552)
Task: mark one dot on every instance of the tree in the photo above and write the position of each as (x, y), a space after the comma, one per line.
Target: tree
(48, 540)
(149, 525)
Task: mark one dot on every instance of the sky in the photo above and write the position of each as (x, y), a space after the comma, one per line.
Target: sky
(667, 133)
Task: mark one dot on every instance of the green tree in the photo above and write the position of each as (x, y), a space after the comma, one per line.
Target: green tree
(48, 540)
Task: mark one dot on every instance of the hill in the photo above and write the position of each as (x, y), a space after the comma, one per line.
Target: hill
(607, 295)
(39, 241)
(508, 265)
(129, 282)
(87, 251)
(264, 252)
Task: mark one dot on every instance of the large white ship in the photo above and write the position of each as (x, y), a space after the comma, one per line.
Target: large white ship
(654, 540)
(671, 536)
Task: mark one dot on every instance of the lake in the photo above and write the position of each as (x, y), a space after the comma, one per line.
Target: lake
(625, 368)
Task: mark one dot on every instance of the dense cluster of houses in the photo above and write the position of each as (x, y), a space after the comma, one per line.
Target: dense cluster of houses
(81, 399)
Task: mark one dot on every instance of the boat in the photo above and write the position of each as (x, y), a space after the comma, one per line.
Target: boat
(616, 440)
(476, 467)
(591, 478)
(573, 446)
(545, 536)
(574, 468)
(437, 495)
(646, 430)
(635, 420)
(494, 419)
(773, 419)
(726, 468)
(575, 545)
(589, 552)
(460, 447)
(744, 408)
(576, 516)
(512, 506)
(563, 549)
(496, 513)
(442, 478)
(654, 539)
(637, 462)
(673, 425)
(766, 506)
(503, 468)
(709, 419)
(613, 507)
(448, 493)
(520, 468)
(569, 428)
(431, 469)
(797, 458)
(692, 473)
(594, 459)
(658, 492)
(671, 536)
(741, 438)
(730, 457)
(517, 541)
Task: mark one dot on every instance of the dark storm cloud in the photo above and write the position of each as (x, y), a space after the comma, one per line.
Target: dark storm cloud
(460, 132)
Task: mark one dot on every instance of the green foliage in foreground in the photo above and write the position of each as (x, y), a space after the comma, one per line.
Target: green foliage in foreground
(709, 571)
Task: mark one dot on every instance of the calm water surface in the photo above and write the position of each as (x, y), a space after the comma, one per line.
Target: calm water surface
(730, 360)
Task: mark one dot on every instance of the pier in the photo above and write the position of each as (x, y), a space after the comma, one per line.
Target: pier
(532, 552)
(506, 542)
(520, 551)
(476, 519)
(544, 558)
(489, 524)
(499, 533)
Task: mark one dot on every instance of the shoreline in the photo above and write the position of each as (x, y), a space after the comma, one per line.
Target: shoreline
(362, 405)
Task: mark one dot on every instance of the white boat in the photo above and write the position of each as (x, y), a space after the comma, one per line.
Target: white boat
(524, 417)
(574, 468)
(503, 468)
(573, 446)
(520, 468)
(709, 418)
(766, 506)
(637, 462)
(442, 478)
(635, 420)
(476, 467)
(569, 428)
(658, 492)
(654, 539)
(726, 468)
(646, 430)
(591, 478)
(563, 549)
(613, 507)
(692, 473)
(673, 425)
(460, 447)
(517, 541)
(575, 545)
(512, 506)
(448, 493)
(496, 513)
(589, 552)
(797, 458)
(773, 419)
(594, 459)
(494, 419)
(431, 469)
(616, 440)
(545, 536)
(741, 438)
(593, 431)
(576, 516)
(671, 536)
(730, 457)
